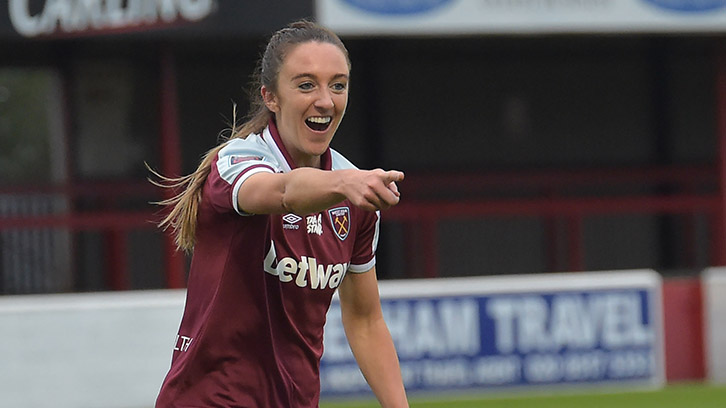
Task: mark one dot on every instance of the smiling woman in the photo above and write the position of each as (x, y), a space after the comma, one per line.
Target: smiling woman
(260, 285)
(309, 99)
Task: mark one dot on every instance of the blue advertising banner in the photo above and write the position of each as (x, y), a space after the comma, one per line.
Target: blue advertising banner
(494, 333)
(455, 17)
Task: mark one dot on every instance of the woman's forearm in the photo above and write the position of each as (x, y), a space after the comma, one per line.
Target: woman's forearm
(308, 190)
(374, 351)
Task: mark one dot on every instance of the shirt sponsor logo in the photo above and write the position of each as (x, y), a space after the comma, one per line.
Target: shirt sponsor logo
(305, 272)
(290, 221)
(315, 224)
(182, 343)
(340, 219)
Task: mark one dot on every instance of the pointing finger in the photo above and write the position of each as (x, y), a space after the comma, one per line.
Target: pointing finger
(393, 175)
(393, 187)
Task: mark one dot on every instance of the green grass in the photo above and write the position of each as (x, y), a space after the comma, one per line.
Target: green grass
(672, 396)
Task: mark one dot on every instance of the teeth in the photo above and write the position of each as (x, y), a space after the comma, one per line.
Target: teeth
(319, 119)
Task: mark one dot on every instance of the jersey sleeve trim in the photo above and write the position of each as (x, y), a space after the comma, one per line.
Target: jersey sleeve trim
(364, 267)
(377, 232)
(254, 169)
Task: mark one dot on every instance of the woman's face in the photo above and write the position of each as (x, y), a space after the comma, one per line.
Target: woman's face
(311, 97)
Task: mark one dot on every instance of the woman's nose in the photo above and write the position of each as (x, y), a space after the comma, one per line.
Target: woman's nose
(325, 100)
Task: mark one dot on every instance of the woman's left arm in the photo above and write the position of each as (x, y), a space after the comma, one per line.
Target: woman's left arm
(370, 339)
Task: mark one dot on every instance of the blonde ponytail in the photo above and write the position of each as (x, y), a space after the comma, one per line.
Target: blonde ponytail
(182, 218)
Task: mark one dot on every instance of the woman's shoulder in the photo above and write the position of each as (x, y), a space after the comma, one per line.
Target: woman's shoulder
(252, 145)
(240, 153)
(340, 162)
(251, 141)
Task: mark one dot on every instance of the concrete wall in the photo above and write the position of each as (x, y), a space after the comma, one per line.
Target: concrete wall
(113, 349)
(94, 350)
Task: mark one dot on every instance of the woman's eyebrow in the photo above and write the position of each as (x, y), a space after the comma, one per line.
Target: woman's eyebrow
(303, 75)
(307, 75)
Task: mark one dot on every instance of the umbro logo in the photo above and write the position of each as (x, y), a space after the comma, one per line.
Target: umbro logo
(291, 218)
(290, 221)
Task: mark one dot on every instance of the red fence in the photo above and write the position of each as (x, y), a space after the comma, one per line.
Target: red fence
(428, 200)
(106, 216)
(556, 195)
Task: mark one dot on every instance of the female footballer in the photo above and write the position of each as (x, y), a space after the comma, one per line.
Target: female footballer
(277, 222)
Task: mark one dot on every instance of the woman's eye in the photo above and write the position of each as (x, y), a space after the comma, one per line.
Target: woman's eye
(339, 86)
(306, 86)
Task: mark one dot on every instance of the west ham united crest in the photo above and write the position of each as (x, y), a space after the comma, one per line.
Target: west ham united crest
(340, 218)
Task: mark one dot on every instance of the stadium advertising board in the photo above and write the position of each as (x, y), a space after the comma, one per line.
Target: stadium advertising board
(714, 307)
(438, 17)
(579, 329)
(53, 19)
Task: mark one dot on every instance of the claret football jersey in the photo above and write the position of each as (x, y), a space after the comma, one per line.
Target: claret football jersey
(260, 286)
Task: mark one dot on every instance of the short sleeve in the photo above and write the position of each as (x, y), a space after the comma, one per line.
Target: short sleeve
(234, 164)
(366, 242)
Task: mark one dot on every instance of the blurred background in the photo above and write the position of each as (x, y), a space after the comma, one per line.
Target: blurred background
(536, 136)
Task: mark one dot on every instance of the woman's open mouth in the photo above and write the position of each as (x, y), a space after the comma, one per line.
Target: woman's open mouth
(318, 123)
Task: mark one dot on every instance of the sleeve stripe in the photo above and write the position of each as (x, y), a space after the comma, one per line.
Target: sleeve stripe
(377, 231)
(362, 268)
(254, 169)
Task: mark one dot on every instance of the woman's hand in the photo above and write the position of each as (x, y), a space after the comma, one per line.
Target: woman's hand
(372, 189)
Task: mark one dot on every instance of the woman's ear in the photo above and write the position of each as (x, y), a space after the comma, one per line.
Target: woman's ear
(270, 99)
